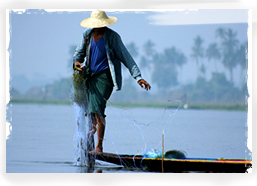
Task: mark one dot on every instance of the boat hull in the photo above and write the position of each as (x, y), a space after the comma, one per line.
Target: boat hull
(178, 165)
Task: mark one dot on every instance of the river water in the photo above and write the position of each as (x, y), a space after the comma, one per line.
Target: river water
(41, 138)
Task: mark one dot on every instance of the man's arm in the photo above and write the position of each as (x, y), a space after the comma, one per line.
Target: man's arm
(80, 53)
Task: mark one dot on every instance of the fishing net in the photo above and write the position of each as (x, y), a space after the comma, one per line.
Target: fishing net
(83, 140)
(80, 91)
(145, 130)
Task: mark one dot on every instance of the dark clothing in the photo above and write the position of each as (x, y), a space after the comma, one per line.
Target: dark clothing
(100, 87)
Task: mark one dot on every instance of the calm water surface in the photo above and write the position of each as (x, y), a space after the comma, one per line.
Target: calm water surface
(42, 135)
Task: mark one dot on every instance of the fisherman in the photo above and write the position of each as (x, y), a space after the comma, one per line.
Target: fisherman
(103, 51)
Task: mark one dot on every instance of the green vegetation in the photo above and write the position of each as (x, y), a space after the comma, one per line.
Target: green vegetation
(190, 106)
(238, 107)
(37, 101)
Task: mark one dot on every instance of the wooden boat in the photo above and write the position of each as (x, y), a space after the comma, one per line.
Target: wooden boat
(178, 165)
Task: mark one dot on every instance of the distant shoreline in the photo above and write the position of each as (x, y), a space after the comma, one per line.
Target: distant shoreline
(236, 106)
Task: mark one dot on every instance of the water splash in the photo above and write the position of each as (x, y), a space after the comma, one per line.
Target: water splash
(83, 142)
(80, 136)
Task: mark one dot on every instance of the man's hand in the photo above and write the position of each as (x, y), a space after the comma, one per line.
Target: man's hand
(144, 84)
(77, 66)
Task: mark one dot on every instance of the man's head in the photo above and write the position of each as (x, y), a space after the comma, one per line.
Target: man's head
(98, 19)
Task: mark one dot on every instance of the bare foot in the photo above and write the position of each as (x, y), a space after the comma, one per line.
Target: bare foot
(97, 151)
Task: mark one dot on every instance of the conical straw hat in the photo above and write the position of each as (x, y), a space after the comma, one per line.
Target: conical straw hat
(98, 19)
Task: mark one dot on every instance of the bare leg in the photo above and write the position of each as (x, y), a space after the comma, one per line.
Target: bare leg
(100, 134)
(94, 123)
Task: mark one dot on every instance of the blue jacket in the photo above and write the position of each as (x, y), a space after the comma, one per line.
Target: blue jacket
(116, 54)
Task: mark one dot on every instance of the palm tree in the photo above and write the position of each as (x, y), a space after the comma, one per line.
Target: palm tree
(165, 68)
(149, 52)
(181, 61)
(213, 52)
(220, 32)
(170, 56)
(164, 72)
(146, 61)
(175, 58)
(197, 51)
(229, 47)
(242, 58)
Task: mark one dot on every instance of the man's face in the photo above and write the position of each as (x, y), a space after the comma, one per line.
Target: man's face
(99, 29)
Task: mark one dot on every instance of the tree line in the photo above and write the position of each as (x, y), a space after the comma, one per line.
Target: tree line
(166, 67)
(227, 51)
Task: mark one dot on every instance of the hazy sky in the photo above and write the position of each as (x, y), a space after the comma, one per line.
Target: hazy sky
(40, 39)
